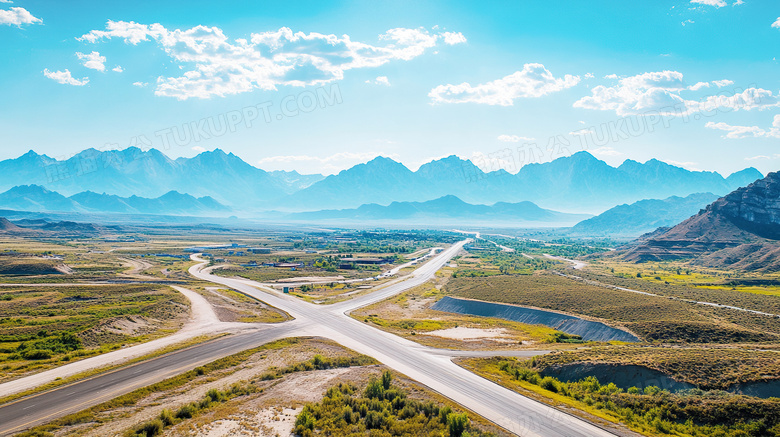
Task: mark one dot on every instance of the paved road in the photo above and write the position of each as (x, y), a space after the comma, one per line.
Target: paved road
(504, 407)
(75, 397)
(432, 368)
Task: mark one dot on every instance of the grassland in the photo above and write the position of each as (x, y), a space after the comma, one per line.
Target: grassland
(652, 318)
(46, 326)
(253, 392)
(652, 411)
(408, 315)
(707, 368)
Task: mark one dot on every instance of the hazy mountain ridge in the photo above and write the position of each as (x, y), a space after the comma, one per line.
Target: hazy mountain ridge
(151, 174)
(37, 198)
(579, 182)
(449, 209)
(643, 216)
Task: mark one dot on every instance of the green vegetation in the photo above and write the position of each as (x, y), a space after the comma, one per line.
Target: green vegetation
(202, 373)
(494, 261)
(28, 266)
(652, 318)
(650, 411)
(48, 325)
(380, 410)
(166, 418)
(705, 368)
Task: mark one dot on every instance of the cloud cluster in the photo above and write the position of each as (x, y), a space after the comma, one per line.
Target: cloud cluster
(736, 132)
(17, 17)
(380, 80)
(513, 138)
(662, 91)
(93, 60)
(716, 3)
(218, 66)
(65, 78)
(534, 80)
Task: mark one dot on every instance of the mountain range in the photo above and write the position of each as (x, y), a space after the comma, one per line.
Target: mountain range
(37, 198)
(738, 231)
(579, 182)
(644, 216)
(447, 210)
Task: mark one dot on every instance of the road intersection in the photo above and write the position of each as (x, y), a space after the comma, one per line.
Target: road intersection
(432, 368)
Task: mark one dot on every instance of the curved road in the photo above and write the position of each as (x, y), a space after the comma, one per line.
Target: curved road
(510, 410)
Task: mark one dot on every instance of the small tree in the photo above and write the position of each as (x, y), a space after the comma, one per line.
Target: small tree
(456, 423)
(387, 377)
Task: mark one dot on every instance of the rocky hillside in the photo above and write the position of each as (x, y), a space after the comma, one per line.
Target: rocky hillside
(740, 230)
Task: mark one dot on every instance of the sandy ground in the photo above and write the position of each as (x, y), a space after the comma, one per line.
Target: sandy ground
(203, 320)
(463, 333)
(312, 279)
(271, 412)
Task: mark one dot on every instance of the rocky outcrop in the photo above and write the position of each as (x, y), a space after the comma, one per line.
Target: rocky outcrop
(740, 230)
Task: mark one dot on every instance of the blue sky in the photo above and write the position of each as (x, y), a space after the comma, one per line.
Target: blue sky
(503, 83)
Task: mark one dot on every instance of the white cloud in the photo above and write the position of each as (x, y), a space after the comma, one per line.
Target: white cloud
(736, 132)
(214, 65)
(534, 80)
(380, 80)
(6, 1)
(140, 84)
(633, 94)
(687, 22)
(699, 85)
(751, 98)
(93, 60)
(605, 151)
(589, 75)
(198, 149)
(65, 78)
(513, 138)
(776, 24)
(661, 91)
(753, 158)
(583, 131)
(453, 38)
(611, 76)
(17, 17)
(717, 83)
(118, 69)
(716, 3)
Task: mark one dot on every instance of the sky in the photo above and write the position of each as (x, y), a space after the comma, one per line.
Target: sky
(320, 86)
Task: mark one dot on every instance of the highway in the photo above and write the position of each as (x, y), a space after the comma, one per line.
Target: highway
(512, 411)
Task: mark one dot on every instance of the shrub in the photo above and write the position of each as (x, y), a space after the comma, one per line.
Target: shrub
(186, 411)
(151, 428)
(36, 354)
(387, 378)
(549, 384)
(167, 417)
(456, 424)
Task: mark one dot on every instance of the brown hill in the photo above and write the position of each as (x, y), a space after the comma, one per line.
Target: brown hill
(740, 230)
(7, 226)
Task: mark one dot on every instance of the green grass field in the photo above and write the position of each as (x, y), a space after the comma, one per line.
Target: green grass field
(652, 318)
(44, 326)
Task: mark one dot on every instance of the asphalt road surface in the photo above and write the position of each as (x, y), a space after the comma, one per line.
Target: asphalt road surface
(510, 410)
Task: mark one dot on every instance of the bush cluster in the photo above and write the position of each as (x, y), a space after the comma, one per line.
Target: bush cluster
(380, 410)
(690, 413)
